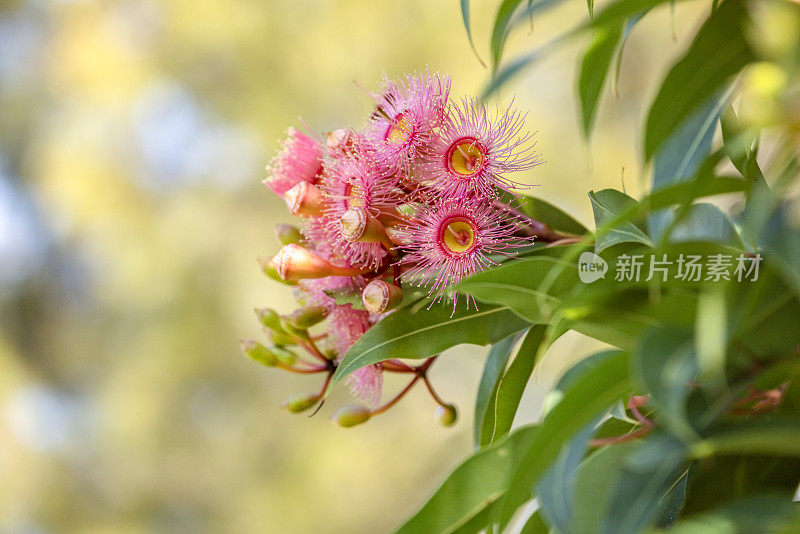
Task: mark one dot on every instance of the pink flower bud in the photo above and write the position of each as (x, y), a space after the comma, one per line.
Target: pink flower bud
(305, 199)
(294, 263)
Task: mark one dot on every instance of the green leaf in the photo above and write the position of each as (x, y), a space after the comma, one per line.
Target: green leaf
(590, 6)
(682, 155)
(472, 487)
(535, 524)
(607, 205)
(512, 383)
(707, 223)
(467, 26)
(595, 484)
(616, 13)
(556, 218)
(493, 372)
(664, 361)
(760, 514)
(781, 238)
(516, 284)
(594, 68)
(711, 334)
(590, 395)
(719, 51)
(648, 476)
(556, 491)
(629, 25)
(504, 21)
(501, 29)
(405, 334)
(779, 437)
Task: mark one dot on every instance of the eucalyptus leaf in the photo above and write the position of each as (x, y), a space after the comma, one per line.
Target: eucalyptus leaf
(405, 334)
(493, 371)
(472, 487)
(590, 395)
(719, 51)
(594, 68)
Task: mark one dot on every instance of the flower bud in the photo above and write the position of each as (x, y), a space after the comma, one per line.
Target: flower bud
(281, 339)
(300, 402)
(357, 225)
(306, 317)
(269, 268)
(338, 138)
(258, 352)
(352, 415)
(269, 318)
(288, 234)
(305, 199)
(446, 415)
(294, 263)
(379, 296)
(286, 357)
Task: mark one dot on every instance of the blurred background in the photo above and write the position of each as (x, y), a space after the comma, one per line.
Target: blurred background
(133, 139)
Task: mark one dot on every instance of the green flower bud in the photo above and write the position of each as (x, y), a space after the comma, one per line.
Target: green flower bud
(289, 327)
(446, 415)
(300, 402)
(284, 356)
(269, 318)
(258, 352)
(352, 415)
(280, 339)
(288, 234)
(306, 317)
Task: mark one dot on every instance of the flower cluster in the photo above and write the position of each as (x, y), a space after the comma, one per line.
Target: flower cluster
(419, 196)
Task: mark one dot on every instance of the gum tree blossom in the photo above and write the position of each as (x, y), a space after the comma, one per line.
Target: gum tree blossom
(403, 125)
(475, 148)
(299, 160)
(453, 239)
(415, 197)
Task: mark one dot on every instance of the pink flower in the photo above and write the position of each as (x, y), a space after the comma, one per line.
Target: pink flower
(452, 239)
(353, 181)
(402, 126)
(366, 384)
(345, 326)
(475, 148)
(300, 160)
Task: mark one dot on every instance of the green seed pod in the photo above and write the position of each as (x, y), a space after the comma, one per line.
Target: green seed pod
(288, 234)
(306, 317)
(300, 402)
(352, 415)
(258, 352)
(446, 415)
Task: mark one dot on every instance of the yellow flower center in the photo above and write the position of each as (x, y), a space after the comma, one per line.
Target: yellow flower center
(458, 236)
(465, 157)
(398, 132)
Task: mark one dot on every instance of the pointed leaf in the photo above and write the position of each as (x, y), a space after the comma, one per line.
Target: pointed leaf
(405, 334)
(719, 51)
(594, 69)
(590, 395)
